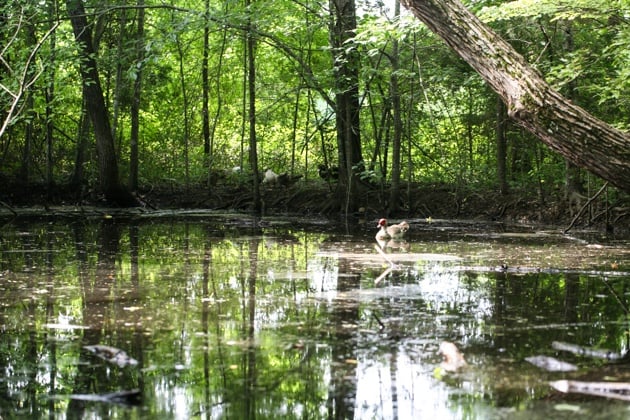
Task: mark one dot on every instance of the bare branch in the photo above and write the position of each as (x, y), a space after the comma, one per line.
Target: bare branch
(26, 80)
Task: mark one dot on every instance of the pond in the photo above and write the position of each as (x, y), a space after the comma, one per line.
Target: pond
(227, 316)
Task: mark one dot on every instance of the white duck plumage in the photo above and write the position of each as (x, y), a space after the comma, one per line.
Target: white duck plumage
(394, 231)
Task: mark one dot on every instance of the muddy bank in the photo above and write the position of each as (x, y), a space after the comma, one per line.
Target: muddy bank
(317, 198)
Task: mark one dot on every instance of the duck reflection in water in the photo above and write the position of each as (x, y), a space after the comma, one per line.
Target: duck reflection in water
(392, 237)
(393, 245)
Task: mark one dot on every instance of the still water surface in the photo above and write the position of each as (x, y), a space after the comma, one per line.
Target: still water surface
(231, 317)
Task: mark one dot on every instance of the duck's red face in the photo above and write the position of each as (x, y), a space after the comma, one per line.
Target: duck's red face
(382, 222)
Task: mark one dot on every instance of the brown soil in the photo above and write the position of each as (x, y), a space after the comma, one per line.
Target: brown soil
(318, 198)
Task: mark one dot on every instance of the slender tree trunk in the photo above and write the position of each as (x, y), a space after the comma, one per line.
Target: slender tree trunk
(469, 163)
(205, 86)
(95, 105)
(50, 95)
(380, 133)
(573, 183)
(82, 134)
(186, 139)
(244, 125)
(408, 125)
(501, 129)
(29, 129)
(306, 131)
(251, 88)
(25, 166)
(566, 128)
(118, 81)
(135, 100)
(218, 97)
(296, 116)
(307, 113)
(346, 70)
(50, 162)
(394, 193)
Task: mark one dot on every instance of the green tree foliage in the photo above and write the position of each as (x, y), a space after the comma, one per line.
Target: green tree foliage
(576, 46)
(598, 64)
(447, 113)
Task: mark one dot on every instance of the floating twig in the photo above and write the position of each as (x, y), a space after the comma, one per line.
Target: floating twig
(616, 390)
(378, 320)
(586, 351)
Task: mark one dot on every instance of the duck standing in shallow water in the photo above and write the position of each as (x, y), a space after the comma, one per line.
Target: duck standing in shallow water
(399, 230)
(382, 234)
(388, 232)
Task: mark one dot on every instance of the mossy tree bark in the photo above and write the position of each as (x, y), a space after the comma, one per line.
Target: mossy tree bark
(566, 128)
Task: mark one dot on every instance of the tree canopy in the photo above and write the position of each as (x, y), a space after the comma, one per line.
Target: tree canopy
(336, 84)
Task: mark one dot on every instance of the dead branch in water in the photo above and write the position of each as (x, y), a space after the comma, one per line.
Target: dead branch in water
(588, 203)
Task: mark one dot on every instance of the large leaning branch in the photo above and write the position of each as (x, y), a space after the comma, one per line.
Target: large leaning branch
(533, 103)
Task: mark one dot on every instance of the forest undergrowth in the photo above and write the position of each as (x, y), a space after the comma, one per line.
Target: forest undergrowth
(317, 198)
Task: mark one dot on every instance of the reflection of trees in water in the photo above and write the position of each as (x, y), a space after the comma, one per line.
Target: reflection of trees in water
(571, 297)
(254, 338)
(342, 389)
(99, 307)
(205, 320)
(249, 330)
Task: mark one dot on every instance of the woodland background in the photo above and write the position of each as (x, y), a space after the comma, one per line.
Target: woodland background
(181, 94)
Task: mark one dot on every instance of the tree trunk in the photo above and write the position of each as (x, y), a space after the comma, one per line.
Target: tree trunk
(135, 101)
(77, 177)
(251, 113)
(346, 70)
(205, 86)
(118, 80)
(573, 182)
(501, 130)
(29, 101)
(182, 81)
(394, 194)
(95, 105)
(218, 98)
(49, 92)
(566, 128)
